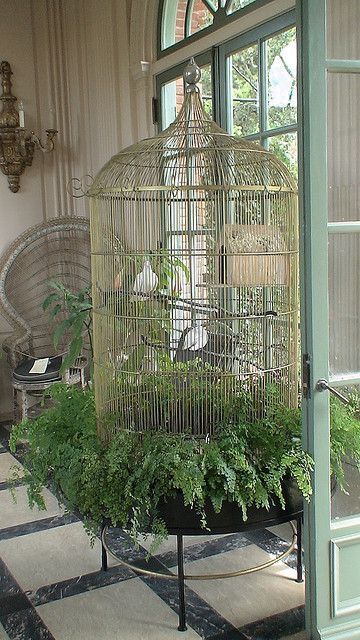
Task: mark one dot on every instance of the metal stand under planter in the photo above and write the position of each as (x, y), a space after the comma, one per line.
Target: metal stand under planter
(274, 517)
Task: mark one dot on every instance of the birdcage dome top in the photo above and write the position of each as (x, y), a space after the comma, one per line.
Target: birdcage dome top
(192, 152)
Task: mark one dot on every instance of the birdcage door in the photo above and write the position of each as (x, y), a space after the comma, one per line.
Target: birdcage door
(331, 303)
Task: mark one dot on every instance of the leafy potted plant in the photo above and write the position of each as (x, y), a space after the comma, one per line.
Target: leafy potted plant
(72, 311)
(129, 479)
(134, 480)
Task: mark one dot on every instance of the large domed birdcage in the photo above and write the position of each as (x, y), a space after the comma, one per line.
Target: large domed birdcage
(195, 279)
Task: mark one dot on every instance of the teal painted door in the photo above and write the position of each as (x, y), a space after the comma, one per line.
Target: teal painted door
(330, 212)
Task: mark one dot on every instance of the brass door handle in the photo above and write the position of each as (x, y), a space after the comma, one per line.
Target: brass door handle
(323, 385)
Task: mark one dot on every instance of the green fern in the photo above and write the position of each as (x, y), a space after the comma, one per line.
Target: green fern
(125, 481)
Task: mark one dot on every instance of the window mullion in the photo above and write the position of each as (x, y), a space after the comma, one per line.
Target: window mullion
(187, 21)
(286, 128)
(218, 86)
(223, 89)
(263, 88)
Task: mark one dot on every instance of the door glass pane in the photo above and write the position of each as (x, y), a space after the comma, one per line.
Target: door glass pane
(285, 147)
(243, 107)
(344, 501)
(344, 303)
(343, 133)
(172, 95)
(344, 358)
(343, 146)
(281, 79)
(343, 18)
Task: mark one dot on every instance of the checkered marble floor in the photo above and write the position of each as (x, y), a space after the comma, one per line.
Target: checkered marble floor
(52, 586)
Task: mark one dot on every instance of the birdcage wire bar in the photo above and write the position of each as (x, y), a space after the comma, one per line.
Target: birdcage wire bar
(195, 279)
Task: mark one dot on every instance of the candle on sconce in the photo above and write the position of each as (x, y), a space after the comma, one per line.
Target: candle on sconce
(52, 118)
(21, 114)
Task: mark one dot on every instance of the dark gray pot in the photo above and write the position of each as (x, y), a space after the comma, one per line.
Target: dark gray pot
(183, 519)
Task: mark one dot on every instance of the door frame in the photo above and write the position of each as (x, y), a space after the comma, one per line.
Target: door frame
(323, 538)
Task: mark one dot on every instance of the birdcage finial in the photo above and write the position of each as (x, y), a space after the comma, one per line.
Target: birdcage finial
(192, 75)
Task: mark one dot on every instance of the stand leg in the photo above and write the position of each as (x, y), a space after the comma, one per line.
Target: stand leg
(24, 405)
(181, 583)
(299, 565)
(104, 559)
(17, 416)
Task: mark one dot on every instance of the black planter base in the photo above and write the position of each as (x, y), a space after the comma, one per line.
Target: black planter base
(186, 521)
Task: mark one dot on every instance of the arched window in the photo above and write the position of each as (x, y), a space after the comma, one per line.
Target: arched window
(248, 84)
(183, 18)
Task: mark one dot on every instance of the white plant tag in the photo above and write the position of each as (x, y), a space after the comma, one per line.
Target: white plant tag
(39, 365)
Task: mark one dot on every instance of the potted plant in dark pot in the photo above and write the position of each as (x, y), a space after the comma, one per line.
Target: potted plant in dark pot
(134, 480)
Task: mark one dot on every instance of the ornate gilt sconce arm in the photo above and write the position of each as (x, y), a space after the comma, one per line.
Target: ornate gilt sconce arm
(49, 142)
(17, 145)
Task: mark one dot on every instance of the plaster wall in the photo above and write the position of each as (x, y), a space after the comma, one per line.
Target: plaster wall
(21, 210)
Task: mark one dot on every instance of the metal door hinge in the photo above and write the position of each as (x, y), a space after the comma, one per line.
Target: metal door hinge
(155, 110)
(306, 375)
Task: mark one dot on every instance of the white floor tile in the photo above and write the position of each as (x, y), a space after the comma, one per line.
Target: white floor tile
(3, 635)
(125, 611)
(50, 556)
(14, 513)
(250, 597)
(283, 531)
(6, 462)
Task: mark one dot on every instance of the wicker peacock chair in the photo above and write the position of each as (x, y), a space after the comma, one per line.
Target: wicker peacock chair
(56, 250)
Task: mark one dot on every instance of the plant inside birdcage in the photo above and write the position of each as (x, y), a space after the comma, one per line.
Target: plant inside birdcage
(180, 397)
(176, 362)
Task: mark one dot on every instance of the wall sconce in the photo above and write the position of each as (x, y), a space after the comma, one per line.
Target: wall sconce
(17, 145)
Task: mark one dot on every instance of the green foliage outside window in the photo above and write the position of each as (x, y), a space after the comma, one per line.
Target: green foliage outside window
(279, 94)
